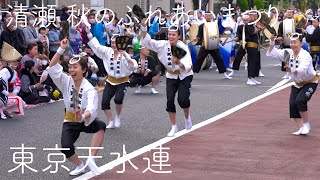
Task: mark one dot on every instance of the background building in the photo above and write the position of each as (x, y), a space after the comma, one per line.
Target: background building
(118, 6)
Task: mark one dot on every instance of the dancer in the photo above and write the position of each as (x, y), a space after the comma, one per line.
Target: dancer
(300, 68)
(253, 52)
(314, 40)
(241, 52)
(9, 101)
(146, 72)
(179, 72)
(203, 52)
(81, 103)
(119, 66)
(286, 28)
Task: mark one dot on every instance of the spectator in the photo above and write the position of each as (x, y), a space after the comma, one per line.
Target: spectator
(31, 34)
(8, 100)
(75, 39)
(54, 41)
(97, 29)
(64, 15)
(64, 30)
(12, 36)
(15, 103)
(30, 86)
(101, 73)
(65, 62)
(155, 29)
(91, 74)
(155, 18)
(44, 40)
(31, 56)
(45, 79)
(114, 28)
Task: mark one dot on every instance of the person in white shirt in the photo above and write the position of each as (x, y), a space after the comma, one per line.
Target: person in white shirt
(7, 99)
(119, 67)
(92, 76)
(200, 17)
(179, 72)
(301, 70)
(81, 103)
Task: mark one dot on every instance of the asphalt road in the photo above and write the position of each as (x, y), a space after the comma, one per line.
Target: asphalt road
(144, 120)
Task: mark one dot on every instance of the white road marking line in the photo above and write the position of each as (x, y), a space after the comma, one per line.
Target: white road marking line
(279, 84)
(224, 85)
(162, 141)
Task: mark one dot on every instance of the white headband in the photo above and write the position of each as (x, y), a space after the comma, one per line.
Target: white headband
(295, 38)
(74, 57)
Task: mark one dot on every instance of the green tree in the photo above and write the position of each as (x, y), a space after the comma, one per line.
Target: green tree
(258, 4)
(243, 5)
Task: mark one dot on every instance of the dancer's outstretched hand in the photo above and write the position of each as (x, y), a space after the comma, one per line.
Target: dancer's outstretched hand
(64, 43)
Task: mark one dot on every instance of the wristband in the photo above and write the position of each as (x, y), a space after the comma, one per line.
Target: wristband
(90, 36)
(144, 28)
(60, 51)
(272, 42)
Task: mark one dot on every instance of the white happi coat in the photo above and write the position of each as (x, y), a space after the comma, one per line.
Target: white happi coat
(163, 48)
(88, 97)
(118, 68)
(302, 63)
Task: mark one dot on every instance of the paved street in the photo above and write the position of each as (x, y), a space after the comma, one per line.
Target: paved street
(144, 120)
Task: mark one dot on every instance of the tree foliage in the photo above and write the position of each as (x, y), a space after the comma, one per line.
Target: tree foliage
(244, 5)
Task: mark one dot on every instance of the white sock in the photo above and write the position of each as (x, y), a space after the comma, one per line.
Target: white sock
(298, 132)
(188, 123)
(80, 166)
(110, 125)
(306, 124)
(78, 170)
(93, 167)
(174, 129)
(117, 121)
(111, 122)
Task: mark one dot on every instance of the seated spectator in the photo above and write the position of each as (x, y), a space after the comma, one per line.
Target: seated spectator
(30, 86)
(146, 72)
(130, 51)
(31, 56)
(92, 68)
(45, 79)
(10, 87)
(101, 71)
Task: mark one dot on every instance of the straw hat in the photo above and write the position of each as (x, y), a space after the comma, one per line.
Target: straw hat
(9, 53)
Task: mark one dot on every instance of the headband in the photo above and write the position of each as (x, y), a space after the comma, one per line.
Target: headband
(77, 58)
